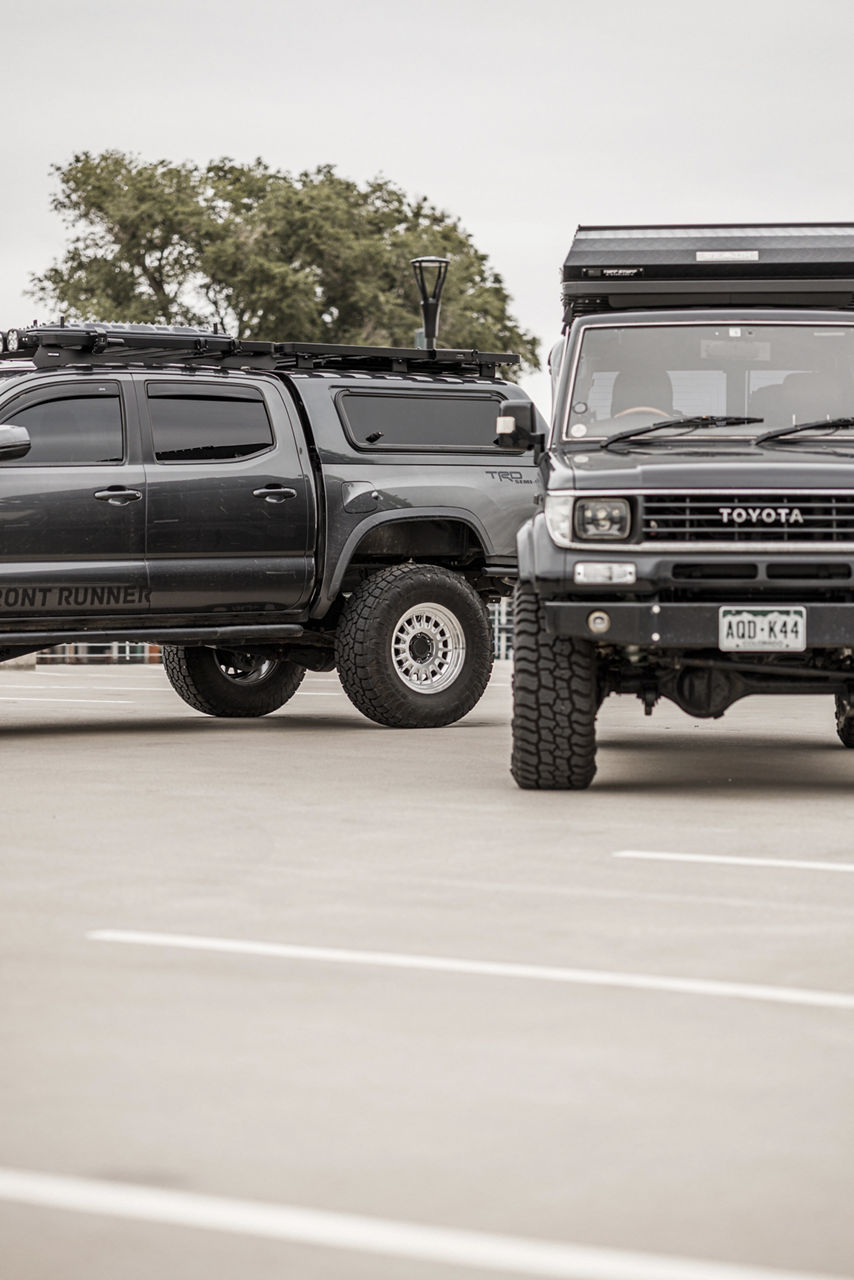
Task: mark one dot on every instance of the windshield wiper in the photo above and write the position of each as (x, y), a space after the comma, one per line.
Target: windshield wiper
(699, 422)
(827, 424)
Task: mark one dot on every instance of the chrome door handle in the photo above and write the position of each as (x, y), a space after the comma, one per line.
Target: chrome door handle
(274, 493)
(118, 496)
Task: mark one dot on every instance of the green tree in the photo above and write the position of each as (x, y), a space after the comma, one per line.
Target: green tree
(266, 255)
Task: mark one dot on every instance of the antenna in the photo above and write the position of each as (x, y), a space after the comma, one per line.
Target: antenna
(430, 296)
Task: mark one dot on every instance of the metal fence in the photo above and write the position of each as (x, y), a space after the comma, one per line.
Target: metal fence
(122, 651)
(501, 616)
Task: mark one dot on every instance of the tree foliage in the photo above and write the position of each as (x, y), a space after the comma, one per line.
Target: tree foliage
(266, 255)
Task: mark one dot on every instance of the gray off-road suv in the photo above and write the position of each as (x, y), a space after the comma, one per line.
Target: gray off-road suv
(697, 536)
(259, 509)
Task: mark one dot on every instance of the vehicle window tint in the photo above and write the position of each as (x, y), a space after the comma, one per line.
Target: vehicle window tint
(420, 421)
(194, 428)
(71, 430)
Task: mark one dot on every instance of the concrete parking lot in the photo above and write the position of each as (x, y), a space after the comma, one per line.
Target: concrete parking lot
(305, 997)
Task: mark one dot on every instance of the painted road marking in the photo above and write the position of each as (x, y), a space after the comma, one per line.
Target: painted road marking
(483, 968)
(361, 1234)
(50, 698)
(48, 694)
(798, 864)
(77, 688)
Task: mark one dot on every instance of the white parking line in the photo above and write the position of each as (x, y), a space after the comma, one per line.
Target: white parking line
(49, 698)
(33, 687)
(360, 1234)
(482, 968)
(798, 864)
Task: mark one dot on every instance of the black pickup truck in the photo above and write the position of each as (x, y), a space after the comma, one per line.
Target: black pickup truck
(697, 535)
(259, 509)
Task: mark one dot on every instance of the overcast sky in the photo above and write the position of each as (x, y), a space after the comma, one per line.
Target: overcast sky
(523, 118)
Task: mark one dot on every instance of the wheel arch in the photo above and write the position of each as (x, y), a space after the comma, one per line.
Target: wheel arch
(430, 535)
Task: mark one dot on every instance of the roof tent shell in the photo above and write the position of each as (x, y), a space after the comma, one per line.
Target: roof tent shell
(621, 268)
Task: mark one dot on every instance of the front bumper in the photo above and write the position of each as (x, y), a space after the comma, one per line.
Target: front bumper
(683, 626)
(652, 618)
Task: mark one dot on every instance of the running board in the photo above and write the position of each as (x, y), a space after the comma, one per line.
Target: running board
(270, 633)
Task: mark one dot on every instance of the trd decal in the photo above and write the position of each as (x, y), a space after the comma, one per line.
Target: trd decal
(512, 477)
(52, 598)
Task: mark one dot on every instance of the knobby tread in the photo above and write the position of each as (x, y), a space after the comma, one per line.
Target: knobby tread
(555, 700)
(195, 677)
(363, 647)
(844, 723)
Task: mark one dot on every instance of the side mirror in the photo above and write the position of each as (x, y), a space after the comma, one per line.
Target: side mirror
(14, 443)
(517, 427)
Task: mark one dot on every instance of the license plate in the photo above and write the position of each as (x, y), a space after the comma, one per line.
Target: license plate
(764, 630)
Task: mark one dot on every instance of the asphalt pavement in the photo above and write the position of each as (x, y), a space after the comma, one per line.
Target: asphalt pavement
(308, 998)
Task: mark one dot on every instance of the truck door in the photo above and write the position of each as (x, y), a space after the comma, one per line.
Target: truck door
(231, 515)
(72, 510)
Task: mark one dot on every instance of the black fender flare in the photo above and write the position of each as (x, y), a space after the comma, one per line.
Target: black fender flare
(330, 588)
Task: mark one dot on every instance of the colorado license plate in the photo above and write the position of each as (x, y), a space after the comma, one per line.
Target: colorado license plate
(765, 630)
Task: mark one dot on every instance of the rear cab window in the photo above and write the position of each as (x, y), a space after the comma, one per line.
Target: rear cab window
(207, 423)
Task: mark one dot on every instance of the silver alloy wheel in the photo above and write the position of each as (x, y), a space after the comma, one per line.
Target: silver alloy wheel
(243, 668)
(428, 648)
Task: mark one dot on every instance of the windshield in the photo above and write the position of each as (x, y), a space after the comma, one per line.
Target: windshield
(630, 376)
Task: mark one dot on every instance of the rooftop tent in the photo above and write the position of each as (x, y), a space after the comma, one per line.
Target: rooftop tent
(621, 268)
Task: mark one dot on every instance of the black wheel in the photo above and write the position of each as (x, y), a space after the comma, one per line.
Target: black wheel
(414, 647)
(844, 721)
(231, 682)
(555, 700)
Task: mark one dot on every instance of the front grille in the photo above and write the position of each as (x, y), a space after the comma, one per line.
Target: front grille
(748, 517)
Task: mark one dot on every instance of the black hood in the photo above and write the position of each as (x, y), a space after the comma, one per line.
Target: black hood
(725, 465)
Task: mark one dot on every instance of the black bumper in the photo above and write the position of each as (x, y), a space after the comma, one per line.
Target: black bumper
(684, 626)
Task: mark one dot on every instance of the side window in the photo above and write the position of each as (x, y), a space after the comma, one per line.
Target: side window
(207, 425)
(71, 427)
(441, 422)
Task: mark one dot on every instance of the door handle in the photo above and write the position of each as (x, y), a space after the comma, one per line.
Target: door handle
(274, 493)
(118, 496)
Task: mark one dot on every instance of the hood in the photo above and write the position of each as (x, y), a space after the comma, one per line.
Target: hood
(727, 465)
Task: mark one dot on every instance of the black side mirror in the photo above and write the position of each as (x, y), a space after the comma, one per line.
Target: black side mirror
(14, 443)
(517, 427)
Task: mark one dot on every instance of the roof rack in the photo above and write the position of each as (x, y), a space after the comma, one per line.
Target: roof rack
(59, 345)
(618, 268)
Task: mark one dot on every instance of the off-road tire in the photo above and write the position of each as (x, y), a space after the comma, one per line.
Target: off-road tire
(199, 676)
(555, 700)
(844, 723)
(371, 655)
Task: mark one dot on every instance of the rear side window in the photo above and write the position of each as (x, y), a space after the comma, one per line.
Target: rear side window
(443, 423)
(71, 428)
(206, 424)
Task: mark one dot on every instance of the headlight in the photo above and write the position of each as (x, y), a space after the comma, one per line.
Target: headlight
(571, 519)
(602, 518)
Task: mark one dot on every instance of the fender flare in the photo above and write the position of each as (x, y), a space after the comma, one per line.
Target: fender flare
(329, 589)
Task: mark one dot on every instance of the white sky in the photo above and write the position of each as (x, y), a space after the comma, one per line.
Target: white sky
(522, 117)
